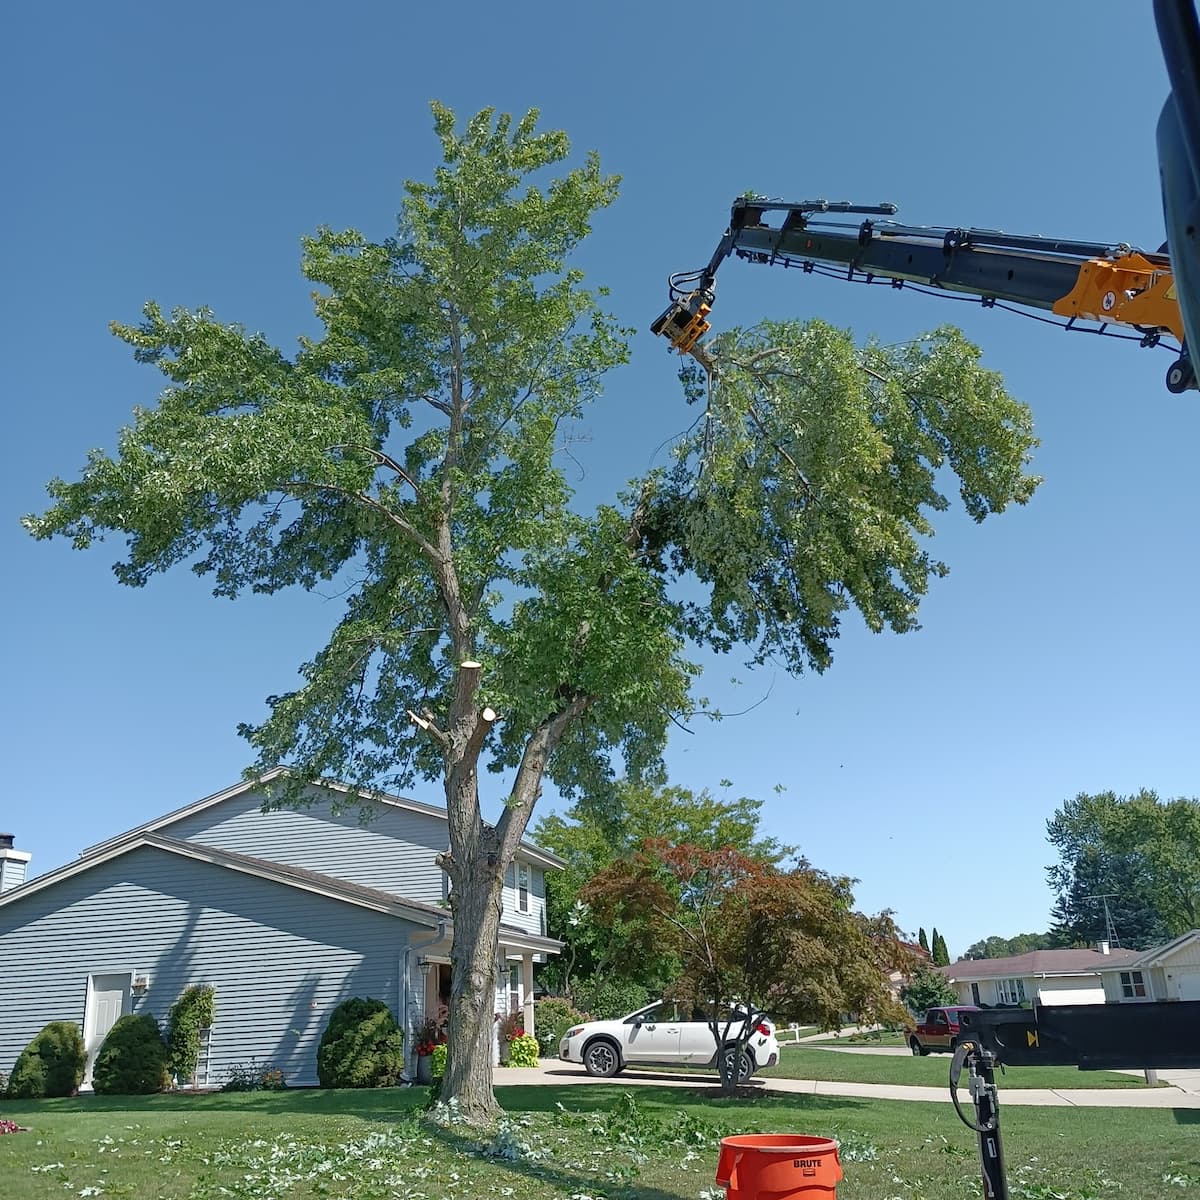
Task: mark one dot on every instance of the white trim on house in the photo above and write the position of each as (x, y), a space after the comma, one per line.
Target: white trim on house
(541, 858)
(1156, 956)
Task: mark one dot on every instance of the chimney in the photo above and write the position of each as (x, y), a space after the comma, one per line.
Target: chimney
(1101, 947)
(13, 864)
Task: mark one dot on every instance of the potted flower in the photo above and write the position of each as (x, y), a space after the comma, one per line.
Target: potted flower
(425, 1036)
(510, 1026)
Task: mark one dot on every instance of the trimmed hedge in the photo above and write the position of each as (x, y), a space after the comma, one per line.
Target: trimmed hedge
(362, 1047)
(607, 999)
(51, 1065)
(133, 1060)
(552, 1017)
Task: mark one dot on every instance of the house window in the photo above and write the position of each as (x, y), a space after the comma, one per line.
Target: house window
(523, 887)
(1133, 985)
(514, 988)
(1010, 991)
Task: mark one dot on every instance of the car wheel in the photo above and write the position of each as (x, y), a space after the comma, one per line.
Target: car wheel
(601, 1059)
(916, 1047)
(739, 1060)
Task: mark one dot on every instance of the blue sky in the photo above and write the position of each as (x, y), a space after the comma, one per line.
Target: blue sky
(180, 152)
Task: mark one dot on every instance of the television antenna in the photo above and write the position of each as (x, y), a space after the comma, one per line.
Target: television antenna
(1110, 928)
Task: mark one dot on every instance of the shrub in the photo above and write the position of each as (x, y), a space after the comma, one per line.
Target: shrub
(51, 1065)
(362, 1046)
(192, 1012)
(552, 1017)
(605, 999)
(133, 1060)
(438, 1066)
(523, 1051)
(239, 1078)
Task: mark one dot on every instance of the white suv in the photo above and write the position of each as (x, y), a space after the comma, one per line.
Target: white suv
(665, 1032)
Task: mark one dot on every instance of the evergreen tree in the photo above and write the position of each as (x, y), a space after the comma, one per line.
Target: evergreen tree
(941, 956)
(922, 940)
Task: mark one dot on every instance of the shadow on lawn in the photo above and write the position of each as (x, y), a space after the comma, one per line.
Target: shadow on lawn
(598, 1097)
(543, 1172)
(369, 1104)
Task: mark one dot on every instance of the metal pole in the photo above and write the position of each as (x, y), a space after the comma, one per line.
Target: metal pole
(987, 1120)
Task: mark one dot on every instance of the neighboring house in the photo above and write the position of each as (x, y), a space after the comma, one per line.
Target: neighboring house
(285, 913)
(898, 980)
(1047, 976)
(1099, 976)
(1170, 972)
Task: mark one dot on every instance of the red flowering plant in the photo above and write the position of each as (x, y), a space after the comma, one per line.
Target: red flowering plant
(426, 1035)
(12, 1127)
(512, 1026)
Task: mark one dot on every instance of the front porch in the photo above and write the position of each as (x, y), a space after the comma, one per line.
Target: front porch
(513, 989)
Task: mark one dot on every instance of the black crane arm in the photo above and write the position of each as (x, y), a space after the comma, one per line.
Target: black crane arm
(1108, 283)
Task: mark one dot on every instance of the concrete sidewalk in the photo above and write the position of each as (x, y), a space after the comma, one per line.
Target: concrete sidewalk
(550, 1071)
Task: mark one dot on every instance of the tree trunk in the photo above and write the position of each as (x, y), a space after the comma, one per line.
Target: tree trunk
(479, 855)
(476, 871)
(468, 1078)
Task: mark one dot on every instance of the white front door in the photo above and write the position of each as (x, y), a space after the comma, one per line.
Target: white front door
(107, 999)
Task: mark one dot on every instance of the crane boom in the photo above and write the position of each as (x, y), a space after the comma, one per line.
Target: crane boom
(1077, 280)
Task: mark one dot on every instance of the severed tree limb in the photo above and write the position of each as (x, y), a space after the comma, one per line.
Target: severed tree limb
(424, 720)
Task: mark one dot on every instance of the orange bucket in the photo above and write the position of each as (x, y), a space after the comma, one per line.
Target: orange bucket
(775, 1166)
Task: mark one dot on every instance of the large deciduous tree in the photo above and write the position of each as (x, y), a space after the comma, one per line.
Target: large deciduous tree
(784, 942)
(1129, 864)
(597, 830)
(409, 452)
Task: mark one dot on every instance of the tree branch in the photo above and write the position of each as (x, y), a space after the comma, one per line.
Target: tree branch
(528, 784)
(425, 721)
(427, 548)
(384, 460)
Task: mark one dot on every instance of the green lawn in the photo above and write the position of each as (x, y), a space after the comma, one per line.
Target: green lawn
(805, 1062)
(566, 1143)
(879, 1038)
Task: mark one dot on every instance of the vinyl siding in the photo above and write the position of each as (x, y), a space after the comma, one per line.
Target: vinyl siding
(280, 958)
(1188, 955)
(394, 850)
(533, 921)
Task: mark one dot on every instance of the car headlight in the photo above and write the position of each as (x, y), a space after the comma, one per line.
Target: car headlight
(574, 1032)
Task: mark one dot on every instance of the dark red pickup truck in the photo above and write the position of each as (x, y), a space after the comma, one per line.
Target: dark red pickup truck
(939, 1030)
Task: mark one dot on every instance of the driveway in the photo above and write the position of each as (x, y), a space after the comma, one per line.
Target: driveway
(552, 1071)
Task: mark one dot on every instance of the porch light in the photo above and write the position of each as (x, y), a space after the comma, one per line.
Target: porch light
(423, 965)
(139, 985)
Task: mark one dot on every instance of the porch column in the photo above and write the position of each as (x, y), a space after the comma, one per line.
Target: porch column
(527, 991)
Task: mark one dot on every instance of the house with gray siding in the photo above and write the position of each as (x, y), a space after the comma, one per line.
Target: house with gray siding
(1103, 975)
(284, 912)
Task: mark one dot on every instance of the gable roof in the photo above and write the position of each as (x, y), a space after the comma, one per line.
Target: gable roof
(542, 858)
(338, 889)
(1039, 963)
(427, 915)
(1156, 954)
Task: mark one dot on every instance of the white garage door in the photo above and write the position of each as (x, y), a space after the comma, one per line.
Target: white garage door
(1189, 985)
